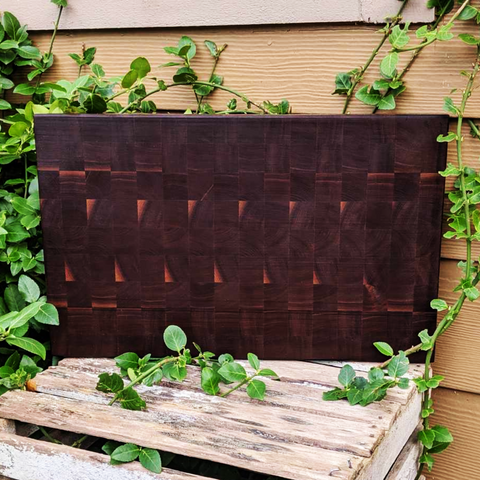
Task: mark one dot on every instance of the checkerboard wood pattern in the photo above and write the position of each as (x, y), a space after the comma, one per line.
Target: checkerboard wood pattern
(290, 236)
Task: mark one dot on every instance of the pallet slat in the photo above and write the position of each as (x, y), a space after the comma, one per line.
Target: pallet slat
(278, 436)
(24, 459)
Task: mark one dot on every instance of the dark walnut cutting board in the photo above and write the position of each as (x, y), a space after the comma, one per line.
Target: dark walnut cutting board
(294, 237)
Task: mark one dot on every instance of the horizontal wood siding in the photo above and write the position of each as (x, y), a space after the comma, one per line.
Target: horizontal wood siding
(299, 63)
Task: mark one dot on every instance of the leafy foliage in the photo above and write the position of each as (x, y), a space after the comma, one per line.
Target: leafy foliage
(149, 371)
(383, 92)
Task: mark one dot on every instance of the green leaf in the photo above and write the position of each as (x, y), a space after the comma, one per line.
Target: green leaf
(212, 47)
(184, 74)
(442, 434)
(346, 375)
(469, 39)
(427, 340)
(10, 24)
(4, 105)
(24, 89)
(150, 459)
(449, 106)
(253, 361)
(384, 348)
(387, 103)
(29, 52)
(95, 104)
(266, 372)
(6, 371)
(233, 372)
(398, 366)
(8, 44)
(22, 206)
(439, 304)
(154, 378)
(13, 298)
(210, 381)
(367, 97)
(381, 84)
(18, 319)
(142, 66)
(343, 83)
(447, 138)
(98, 70)
(109, 383)
(89, 55)
(60, 3)
(169, 64)
(404, 383)
(48, 315)
(388, 65)
(443, 33)
(398, 36)
(472, 293)
(174, 338)
(375, 374)
(335, 394)
(174, 371)
(126, 453)
(17, 130)
(129, 79)
(360, 383)
(28, 289)
(30, 221)
(427, 438)
(5, 83)
(450, 170)
(127, 360)
(28, 344)
(131, 400)
(428, 460)
(354, 396)
(434, 382)
(256, 389)
(188, 41)
(468, 13)
(110, 446)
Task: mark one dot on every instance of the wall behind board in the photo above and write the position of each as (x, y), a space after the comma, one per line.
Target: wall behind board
(299, 62)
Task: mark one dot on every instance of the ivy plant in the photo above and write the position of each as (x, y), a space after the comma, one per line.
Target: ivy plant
(463, 220)
(382, 94)
(150, 371)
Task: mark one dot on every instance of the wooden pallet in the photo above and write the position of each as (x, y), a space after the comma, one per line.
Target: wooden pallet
(293, 434)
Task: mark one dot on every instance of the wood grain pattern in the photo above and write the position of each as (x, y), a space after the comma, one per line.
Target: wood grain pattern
(406, 465)
(458, 349)
(459, 412)
(295, 237)
(28, 459)
(292, 434)
(275, 62)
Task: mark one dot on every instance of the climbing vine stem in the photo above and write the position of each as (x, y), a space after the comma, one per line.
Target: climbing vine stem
(358, 75)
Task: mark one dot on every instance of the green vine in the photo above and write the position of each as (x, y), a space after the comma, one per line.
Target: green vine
(463, 219)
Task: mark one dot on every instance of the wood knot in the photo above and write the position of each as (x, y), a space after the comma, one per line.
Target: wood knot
(31, 385)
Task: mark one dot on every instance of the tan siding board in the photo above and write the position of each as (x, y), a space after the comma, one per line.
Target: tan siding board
(459, 411)
(458, 353)
(295, 62)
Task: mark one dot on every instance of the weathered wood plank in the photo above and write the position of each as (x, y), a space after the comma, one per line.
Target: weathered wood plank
(7, 426)
(293, 434)
(183, 433)
(406, 465)
(27, 459)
